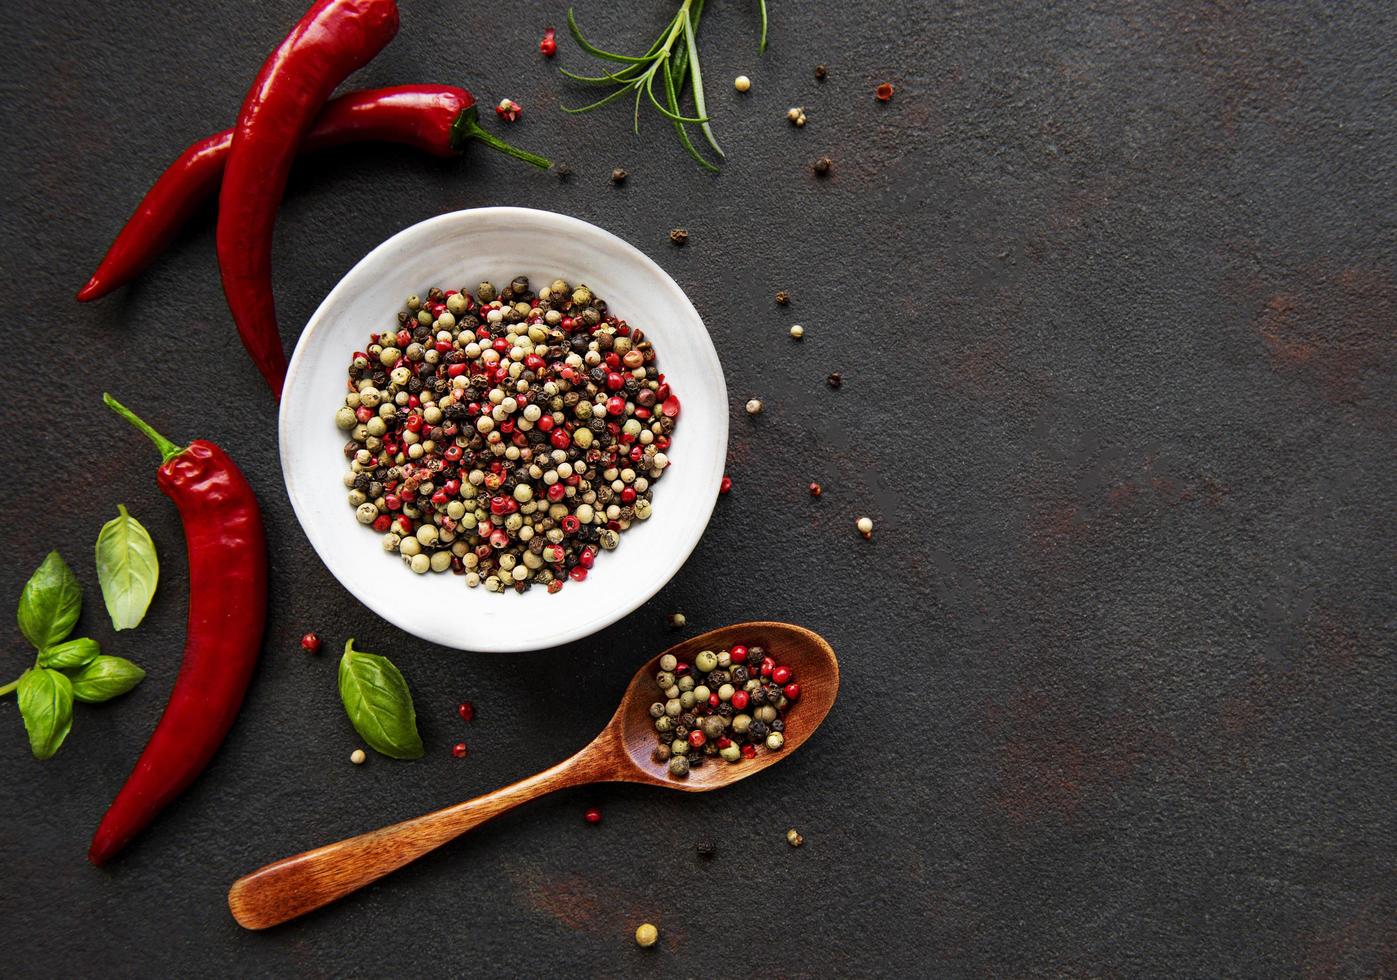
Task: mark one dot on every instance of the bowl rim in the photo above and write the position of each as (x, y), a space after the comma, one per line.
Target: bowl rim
(319, 323)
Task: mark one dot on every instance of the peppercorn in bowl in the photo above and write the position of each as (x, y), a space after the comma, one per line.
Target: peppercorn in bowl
(508, 399)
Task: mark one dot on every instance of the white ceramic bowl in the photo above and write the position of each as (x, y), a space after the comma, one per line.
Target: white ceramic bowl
(464, 248)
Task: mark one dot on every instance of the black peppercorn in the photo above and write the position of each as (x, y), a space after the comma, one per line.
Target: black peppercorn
(679, 236)
(822, 165)
(835, 380)
(618, 176)
(757, 698)
(782, 297)
(757, 729)
(562, 170)
(739, 675)
(821, 73)
(705, 848)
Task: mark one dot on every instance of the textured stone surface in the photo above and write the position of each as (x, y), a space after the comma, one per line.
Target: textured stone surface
(1112, 289)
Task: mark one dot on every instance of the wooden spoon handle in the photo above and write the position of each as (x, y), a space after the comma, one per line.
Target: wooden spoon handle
(293, 886)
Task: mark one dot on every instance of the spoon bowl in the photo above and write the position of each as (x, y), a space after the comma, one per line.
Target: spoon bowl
(623, 752)
(812, 662)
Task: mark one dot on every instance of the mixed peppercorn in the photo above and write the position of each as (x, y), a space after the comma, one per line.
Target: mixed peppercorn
(505, 435)
(725, 703)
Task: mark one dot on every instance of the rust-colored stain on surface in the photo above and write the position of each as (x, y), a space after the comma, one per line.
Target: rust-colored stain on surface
(1333, 330)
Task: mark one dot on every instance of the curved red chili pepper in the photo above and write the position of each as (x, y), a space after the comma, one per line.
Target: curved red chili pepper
(333, 39)
(436, 119)
(227, 611)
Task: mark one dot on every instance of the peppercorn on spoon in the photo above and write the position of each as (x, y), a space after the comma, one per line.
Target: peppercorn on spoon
(622, 753)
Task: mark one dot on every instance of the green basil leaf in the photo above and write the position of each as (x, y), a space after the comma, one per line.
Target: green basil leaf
(127, 569)
(46, 705)
(105, 678)
(66, 656)
(379, 704)
(50, 603)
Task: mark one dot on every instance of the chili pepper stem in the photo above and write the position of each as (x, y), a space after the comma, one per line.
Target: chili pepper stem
(168, 450)
(467, 127)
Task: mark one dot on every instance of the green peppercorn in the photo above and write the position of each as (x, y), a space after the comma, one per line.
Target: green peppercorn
(669, 662)
(664, 679)
(712, 726)
(775, 740)
(657, 710)
(679, 746)
(679, 766)
(705, 661)
(664, 724)
(686, 683)
(731, 752)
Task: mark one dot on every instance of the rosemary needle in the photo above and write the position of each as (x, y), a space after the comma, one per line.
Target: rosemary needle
(673, 60)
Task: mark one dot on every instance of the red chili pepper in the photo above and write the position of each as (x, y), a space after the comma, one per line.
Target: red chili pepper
(436, 119)
(333, 39)
(227, 611)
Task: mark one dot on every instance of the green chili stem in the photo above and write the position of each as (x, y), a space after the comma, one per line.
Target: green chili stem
(168, 450)
(467, 127)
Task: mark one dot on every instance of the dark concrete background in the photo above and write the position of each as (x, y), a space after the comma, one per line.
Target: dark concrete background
(1113, 289)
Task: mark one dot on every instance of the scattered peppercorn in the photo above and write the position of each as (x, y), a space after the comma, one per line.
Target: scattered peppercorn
(835, 380)
(782, 297)
(646, 935)
(754, 407)
(508, 436)
(865, 526)
(725, 484)
(793, 838)
(714, 707)
(821, 72)
(548, 47)
(816, 489)
(822, 165)
(467, 711)
(508, 110)
(884, 92)
(563, 171)
(705, 848)
(679, 236)
(677, 621)
(797, 331)
(459, 750)
(593, 815)
(618, 176)
(796, 115)
(742, 83)
(357, 757)
(310, 643)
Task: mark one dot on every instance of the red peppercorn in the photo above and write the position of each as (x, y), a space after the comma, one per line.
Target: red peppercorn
(548, 47)
(588, 557)
(615, 405)
(739, 699)
(545, 423)
(459, 750)
(816, 489)
(405, 338)
(714, 700)
(767, 666)
(749, 751)
(725, 485)
(781, 675)
(577, 573)
(508, 110)
(724, 742)
(568, 324)
(593, 815)
(570, 524)
(697, 738)
(792, 691)
(310, 643)
(628, 495)
(670, 407)
(467, 711)
(382, 523)
(884, 92)
(414, 423)
(738, 654)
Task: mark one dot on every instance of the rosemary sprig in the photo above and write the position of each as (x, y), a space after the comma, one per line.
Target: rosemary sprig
(673, 59)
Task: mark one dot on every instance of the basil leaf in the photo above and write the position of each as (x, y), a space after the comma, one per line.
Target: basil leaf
(105, 678)
(50, 603)
(46, 705)
(127, 569)
(379, 704)
(66, 656)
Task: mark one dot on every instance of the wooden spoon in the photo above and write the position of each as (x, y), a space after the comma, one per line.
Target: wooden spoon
(622, 753)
